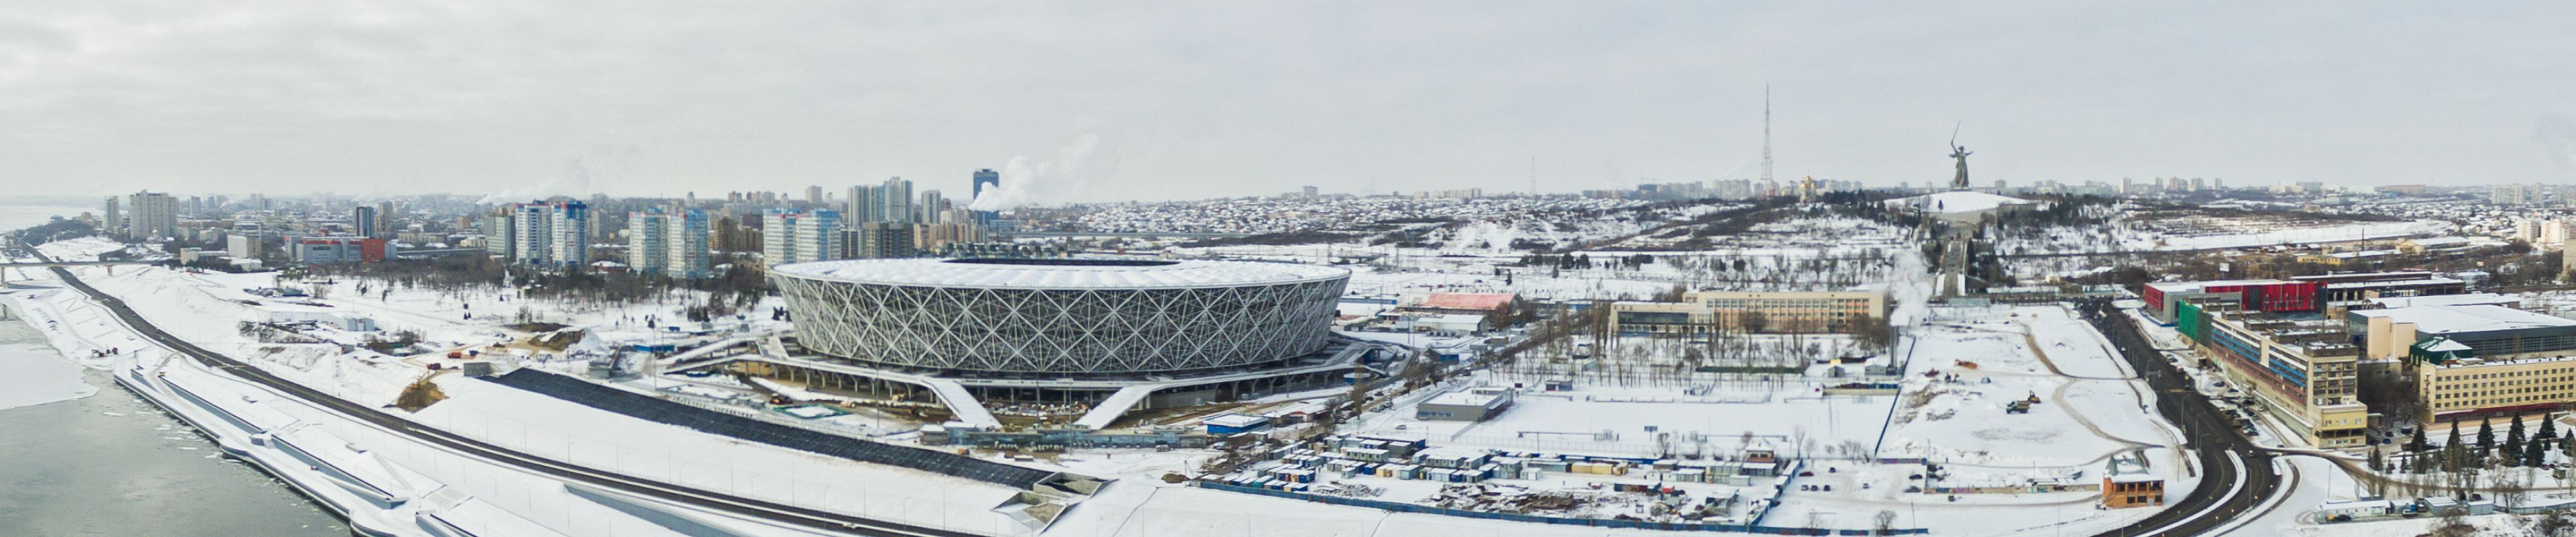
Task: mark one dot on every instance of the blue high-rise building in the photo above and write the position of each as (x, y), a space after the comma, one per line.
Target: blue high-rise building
(985, 179)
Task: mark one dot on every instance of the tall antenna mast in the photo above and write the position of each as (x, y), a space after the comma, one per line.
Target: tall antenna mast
(1766, 133)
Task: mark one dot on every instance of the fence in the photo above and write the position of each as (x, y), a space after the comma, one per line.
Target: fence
(1594, 522)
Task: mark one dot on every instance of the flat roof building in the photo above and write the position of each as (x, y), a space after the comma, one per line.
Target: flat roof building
(1477, 404)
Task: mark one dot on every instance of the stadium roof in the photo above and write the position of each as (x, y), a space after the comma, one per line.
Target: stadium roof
(1060, 273)
(2473, 318)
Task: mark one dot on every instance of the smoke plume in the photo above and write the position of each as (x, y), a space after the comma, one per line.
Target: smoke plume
(1028, 182)
(2557, 131)
(604, 163)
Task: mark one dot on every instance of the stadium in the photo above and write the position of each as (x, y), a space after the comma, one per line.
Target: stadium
(1060, 317)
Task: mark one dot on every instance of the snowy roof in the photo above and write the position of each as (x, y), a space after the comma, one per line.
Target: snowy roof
(1475, 301)
(1960, 201)
(1464, 398)
(2441, 241)
(2470, 299)
(2194, 287)
(1070, 273)
(2472, 318)
(1235, 420)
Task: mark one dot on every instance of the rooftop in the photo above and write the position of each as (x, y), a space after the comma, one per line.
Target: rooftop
(2469, 318)
(1071, 273)
(2471, 299)
(2188, 287)
(1475, 301)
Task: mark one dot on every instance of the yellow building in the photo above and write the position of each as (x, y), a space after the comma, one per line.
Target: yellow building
(1702, 312)
(2495, 386)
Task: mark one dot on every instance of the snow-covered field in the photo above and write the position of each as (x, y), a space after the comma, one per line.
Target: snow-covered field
(2123, 235)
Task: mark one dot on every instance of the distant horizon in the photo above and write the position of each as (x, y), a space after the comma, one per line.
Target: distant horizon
(1104, 101)
(796, 195)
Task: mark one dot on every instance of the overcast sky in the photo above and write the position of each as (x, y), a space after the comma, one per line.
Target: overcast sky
(1203, 99)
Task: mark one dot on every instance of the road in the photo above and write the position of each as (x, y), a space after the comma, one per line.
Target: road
(811, 518)
(2237, 474)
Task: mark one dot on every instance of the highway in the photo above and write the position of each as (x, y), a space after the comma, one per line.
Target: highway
(2237, 476)
(822, 520)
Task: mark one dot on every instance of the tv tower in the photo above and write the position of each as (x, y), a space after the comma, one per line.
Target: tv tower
(1766, 133)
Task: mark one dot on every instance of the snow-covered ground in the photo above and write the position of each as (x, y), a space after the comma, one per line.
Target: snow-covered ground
(2125, 235)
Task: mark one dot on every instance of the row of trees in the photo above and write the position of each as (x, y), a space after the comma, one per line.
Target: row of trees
(2463, 466)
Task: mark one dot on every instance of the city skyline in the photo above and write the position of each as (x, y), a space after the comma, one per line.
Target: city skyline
(1202, 102)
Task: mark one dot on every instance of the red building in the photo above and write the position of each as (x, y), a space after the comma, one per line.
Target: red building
(2274, 296)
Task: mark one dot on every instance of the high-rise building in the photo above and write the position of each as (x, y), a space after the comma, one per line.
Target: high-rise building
(155, 215)
(875, 240)
(112, 221)
(789, 236)
(671, 244)
(813, 194)
(550, 234)
(385, 212)
(2509, 195)
(498, 236)
(932, 204)
(896, 195)
(986, 179)
(362, 221)
(861, 204)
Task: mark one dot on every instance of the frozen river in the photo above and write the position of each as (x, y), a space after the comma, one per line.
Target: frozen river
(87, 458)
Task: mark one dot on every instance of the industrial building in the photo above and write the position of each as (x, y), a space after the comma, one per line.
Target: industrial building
(1478, 404)
(336, 250)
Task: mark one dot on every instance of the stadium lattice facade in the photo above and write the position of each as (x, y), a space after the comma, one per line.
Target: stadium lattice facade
(1061, 317)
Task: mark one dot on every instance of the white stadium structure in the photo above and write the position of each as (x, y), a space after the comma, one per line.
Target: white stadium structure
(1061, 317)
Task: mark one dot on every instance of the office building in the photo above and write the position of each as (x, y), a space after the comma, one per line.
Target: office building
(985, 179)
(362, 221)
(2473, 360)
(790, 236)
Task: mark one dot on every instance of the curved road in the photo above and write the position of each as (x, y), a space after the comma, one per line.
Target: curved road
(2238, 476)
(811, 518)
